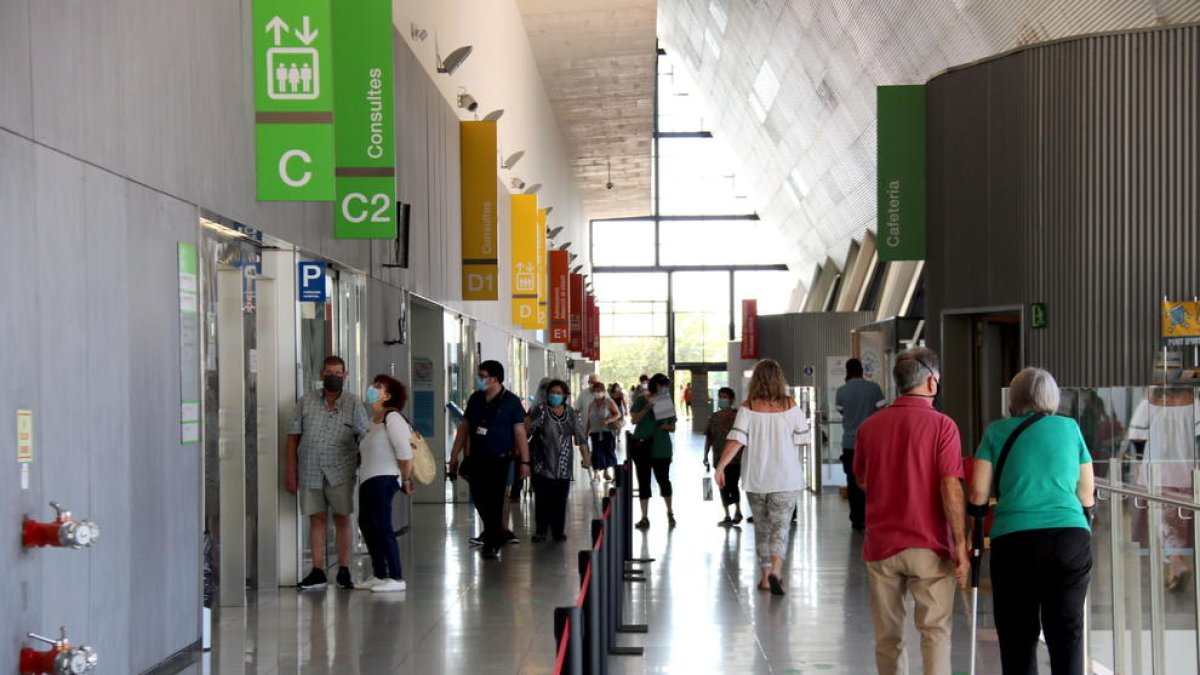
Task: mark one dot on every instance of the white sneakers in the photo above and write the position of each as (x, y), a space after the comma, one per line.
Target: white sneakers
(389, 586)
(368, 584)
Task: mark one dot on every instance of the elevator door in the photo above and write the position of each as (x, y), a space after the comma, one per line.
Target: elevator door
(231, 449)
(981, 352)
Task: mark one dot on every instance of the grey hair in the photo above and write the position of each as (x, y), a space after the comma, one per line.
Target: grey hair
(1033, 390)
(913, 366)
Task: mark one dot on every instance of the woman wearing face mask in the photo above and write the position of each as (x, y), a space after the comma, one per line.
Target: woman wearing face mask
(719, 425)
(653, 449)
(386, 469)
(602, 415)
(554, 429)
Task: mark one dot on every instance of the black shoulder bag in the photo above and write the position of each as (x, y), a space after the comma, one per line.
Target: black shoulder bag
(1008, 445)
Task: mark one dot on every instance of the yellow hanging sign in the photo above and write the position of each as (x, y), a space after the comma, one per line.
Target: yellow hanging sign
(477, 154)
(542, 322)
(1181, 323)
(524, 260)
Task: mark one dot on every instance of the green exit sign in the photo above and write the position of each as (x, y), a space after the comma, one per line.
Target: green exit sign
(1038, 317)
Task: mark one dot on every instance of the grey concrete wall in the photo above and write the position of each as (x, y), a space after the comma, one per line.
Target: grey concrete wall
(119, 121)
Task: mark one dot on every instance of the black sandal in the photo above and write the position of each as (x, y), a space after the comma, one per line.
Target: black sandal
(776, 587)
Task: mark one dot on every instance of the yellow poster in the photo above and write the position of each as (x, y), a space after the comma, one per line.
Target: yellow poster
(1181, 323)
(542, 322)
(477, 154)
(524, 260)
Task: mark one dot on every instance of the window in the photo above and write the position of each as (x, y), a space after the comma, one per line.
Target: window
(622, 243)
(719, 242)
(772, 290)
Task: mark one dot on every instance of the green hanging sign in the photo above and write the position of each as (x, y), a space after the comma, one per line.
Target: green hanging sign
(901, 172)
(293, 92)
(365, 135)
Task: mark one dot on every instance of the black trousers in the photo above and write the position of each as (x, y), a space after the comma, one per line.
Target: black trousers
(1039, 581)
(644, 465)
(730, 494)
(489, 478)
(858, 498)
(550, 505)
(375, 498)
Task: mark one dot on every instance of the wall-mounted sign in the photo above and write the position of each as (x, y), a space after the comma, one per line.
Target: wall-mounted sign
(1180, 324)
(749, 329)
(293, 92)
(901, 172)
(480, 251)
(542, 321)
(524, 216)
(365, 133)
(310, 277)
(578, 311)
(559, 280)
(189, 339)
(24, 436)
(1038, 318)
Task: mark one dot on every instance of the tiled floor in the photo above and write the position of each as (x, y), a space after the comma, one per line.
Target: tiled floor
(463, 614)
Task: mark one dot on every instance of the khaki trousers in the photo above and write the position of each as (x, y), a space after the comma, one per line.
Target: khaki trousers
(930, 580)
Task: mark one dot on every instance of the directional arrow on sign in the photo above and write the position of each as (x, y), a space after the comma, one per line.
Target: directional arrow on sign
(306, 36)
(276, 24)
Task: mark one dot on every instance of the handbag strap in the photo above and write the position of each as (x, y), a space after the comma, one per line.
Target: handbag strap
(1008, 446)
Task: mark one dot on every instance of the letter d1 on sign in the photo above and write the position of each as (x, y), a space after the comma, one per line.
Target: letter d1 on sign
(310, 279)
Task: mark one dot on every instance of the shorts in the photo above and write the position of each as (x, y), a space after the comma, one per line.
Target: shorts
(337, 498)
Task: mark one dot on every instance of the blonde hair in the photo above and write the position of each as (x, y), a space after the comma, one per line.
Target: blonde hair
(768, 383)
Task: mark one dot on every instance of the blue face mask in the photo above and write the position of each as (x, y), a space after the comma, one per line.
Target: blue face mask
(372, 396)
(724, 403)
(480, 383)
(557, 399)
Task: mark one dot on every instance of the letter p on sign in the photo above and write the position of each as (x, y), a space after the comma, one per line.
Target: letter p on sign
(311, 280)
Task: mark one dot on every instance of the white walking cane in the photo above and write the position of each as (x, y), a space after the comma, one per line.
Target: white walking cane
(976, 564)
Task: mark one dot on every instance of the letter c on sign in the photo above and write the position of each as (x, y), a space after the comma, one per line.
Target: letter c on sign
(362, 214)
(283, 168)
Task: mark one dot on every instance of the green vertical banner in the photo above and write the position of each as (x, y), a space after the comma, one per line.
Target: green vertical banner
(365, 133)
(901, 172)
(293, 99)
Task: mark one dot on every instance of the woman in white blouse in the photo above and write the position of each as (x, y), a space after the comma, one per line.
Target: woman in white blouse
(771, 427)
(386, 469)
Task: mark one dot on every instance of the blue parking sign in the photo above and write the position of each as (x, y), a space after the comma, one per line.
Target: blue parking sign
(311, 279)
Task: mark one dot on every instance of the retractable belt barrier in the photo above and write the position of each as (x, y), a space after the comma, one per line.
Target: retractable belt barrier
(586, 632)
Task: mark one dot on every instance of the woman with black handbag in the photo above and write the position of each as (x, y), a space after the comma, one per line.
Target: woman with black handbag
(1041, 534)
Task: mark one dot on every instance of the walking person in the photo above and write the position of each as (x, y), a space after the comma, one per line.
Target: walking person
(855, 400)
(554, 429)
(908, 460)
(387, 462)
(768, 430)
(1041, 534)
(716, 433)
(321, 466)
(686, 397)
(603, 423)
(492, 434)
(654, 449)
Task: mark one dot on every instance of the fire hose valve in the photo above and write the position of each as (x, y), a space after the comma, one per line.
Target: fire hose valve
(61, 659)
(65, 531)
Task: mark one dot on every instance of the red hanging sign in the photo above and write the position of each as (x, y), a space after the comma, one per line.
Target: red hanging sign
(594, 327)
(560, 297)
(576, 343)
(750, 329)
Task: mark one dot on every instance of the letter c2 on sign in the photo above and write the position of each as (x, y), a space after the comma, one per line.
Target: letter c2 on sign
(283, 168)
(379, 201)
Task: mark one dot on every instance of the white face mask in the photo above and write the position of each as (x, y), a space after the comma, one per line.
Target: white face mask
(599, 395)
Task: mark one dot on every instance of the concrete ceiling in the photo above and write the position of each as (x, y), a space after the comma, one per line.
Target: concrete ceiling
(596, 58)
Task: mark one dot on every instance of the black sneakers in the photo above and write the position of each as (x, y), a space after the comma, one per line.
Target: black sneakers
(511, 538)
(343, 579)
(315, 580)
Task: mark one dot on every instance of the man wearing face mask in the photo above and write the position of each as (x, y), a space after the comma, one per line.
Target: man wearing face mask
(322, 464)
(493, 434)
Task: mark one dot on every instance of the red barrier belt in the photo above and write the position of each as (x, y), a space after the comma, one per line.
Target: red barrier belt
(562, 648)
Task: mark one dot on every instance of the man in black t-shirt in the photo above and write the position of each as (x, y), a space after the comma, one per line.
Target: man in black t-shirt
(493, 434)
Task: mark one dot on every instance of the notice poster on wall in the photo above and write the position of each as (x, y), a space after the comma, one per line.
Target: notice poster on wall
(189, 344)
(480, 250)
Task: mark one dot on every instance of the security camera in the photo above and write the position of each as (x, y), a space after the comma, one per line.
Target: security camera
(467, 102)
(608, 185)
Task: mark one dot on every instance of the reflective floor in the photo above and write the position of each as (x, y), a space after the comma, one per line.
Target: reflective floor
(463, 614)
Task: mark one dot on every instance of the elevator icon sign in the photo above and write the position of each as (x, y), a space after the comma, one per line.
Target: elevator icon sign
(293, 73)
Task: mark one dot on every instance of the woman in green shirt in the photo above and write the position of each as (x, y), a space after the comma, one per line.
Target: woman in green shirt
(1041, 535)
(652, 449)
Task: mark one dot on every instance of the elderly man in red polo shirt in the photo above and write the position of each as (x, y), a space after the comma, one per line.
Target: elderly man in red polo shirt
(908, 459)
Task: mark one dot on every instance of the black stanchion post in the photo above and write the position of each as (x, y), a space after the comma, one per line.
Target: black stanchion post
(593, 650)
(574, 664)
(626, 471)
(615, 575)
(562, 616)
(620, 555)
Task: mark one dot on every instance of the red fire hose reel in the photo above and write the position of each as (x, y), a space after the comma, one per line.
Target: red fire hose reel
(64, 531)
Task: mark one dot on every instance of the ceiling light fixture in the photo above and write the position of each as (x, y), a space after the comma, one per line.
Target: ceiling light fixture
(576, 269)
(533, 189)
(565, 246)
(552, 232)
(494, 116)
(512, 160)
(549, 209)
(609, 184)
(452, 62)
